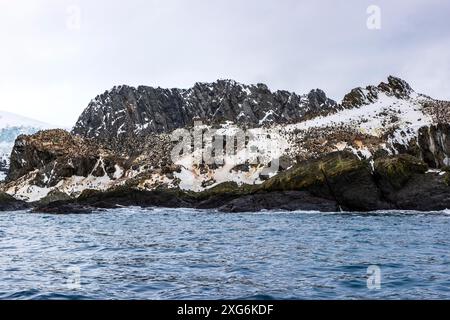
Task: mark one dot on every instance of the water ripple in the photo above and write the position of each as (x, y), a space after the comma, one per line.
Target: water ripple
(131, 253)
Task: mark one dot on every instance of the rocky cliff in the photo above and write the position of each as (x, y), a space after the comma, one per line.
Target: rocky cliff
(391, 144)
(337, 181)
(125, 112)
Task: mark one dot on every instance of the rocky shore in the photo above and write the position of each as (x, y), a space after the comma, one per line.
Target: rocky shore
(383, 147)
(338, 181)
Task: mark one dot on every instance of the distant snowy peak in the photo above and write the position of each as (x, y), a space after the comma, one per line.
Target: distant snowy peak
(13, 125)
(10, 120)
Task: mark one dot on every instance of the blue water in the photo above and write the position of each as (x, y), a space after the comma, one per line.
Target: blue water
(186, 254)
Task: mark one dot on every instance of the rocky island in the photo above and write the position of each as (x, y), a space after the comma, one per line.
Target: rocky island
(382, 147)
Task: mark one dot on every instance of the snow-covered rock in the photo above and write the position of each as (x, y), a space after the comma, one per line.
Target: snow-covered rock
(125, 136)
(125, 111)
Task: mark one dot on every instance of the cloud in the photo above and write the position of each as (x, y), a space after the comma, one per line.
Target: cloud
(51, 71)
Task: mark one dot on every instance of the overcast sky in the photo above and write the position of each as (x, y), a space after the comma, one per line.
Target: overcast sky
(57, 55)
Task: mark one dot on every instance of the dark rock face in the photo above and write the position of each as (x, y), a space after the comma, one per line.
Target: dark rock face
(424, 192)
(60, 207)
(58, 154)
(397, 87)
(54, 196)
(286, 200)
(394, 87)
(355, 190)
(125, 111)
(95, 200)
(434, 145)
(392, 173)
(403, 182)
(335, 182)
(9, 203)
(340, 177)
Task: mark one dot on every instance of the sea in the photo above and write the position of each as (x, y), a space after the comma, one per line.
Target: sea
(159, 254)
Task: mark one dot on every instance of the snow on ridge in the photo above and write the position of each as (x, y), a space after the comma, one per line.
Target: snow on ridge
(371, 118)
(401, 118)
(405, 116)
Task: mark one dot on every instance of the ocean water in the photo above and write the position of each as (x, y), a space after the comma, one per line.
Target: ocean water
(132, 253)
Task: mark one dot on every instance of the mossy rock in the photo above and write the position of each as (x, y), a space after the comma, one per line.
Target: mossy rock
(447, 179)
(9, 203)
(314, 172)
(336, 164)
(5, 198)
(398, 170)
(225, 188)
(53, 196)
(88, 193)
(229, 186)
(380, 153)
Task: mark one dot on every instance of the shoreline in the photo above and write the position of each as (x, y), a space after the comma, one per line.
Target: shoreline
(186, 210)
(335, 182)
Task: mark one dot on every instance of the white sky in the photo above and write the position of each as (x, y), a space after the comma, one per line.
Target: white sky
(50, 69)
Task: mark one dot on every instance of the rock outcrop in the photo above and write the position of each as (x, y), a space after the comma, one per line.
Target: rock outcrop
(384, 147)
(394, 87)
(125, 111)
(9, 203)
(338, 181)
(406, 182)
(57, 154)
